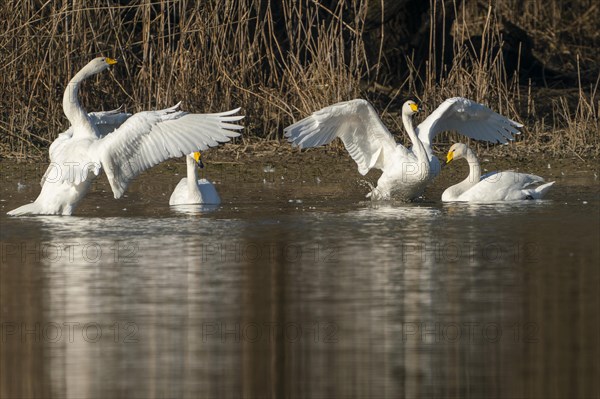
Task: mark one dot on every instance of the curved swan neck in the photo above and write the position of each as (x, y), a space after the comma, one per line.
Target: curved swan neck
(453, 193)
(71, 107)
(192, 174)
(474, 168)
(418, 148)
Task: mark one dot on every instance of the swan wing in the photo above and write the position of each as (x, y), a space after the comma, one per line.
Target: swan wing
(105, 121)
(511, 179)
(56, 148)
(356, 123)
(502, 186)
(469, 118)
(108, 121)
(148, 138)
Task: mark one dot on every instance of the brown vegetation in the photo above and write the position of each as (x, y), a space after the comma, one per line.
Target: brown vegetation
(536, 62)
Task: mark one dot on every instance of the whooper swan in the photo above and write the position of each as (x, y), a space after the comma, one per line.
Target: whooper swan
(192, 190)
(121, 144)
(494, 186)
(406, 172)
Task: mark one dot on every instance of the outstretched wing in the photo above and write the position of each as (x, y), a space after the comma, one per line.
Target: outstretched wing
(469, 118)
(356, 123)
(108, 121)
(148, 138)
(105, 121)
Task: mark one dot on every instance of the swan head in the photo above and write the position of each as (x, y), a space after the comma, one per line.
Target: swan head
(457, 151)
(410, 108)
(99, 64)
(197, 155)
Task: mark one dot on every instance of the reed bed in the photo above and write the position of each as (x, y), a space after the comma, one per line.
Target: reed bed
(283, 60)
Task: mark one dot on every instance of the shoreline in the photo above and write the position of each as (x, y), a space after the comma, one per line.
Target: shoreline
(258, 161)
(258, 147)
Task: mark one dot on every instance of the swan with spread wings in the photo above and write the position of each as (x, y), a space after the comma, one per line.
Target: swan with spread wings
(406, 171)
(120, 144)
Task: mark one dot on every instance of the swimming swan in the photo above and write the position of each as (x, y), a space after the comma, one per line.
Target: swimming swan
(190, 190)
(494, 186)
(406, 172)
(121, 144)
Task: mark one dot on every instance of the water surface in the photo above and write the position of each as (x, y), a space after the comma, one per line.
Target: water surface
(300, 288)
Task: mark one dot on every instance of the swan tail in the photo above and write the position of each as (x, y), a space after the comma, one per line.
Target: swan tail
(40, 208)
(539, 191)
(30, 209)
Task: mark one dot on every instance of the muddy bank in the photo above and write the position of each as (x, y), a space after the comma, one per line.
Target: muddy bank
(243, 170)
(334, 164)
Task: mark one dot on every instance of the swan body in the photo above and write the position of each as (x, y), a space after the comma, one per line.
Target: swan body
(406, 171)
(192, 190)
(120, 144)
(492, 187)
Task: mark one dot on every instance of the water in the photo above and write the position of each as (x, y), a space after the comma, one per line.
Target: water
(300, 289)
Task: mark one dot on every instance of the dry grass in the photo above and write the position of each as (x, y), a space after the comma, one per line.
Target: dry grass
(282, 60)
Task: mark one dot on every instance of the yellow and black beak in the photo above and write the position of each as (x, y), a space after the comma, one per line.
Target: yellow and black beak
(111, 61)
(414, 107)
(450, 156)
(197, 156)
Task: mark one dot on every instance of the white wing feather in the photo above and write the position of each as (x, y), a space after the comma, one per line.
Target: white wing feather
(506, 186)
(105, 121)
(108, 121)
(469, 118)
(148, 138)
(356, 123)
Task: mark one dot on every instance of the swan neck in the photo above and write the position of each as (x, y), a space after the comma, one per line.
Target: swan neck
(192, 174)
(453, 193)
(71, 106)
(474, 168)
(418, 147)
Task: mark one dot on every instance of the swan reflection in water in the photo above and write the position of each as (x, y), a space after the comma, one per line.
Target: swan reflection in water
(393, 284)
(195, 209)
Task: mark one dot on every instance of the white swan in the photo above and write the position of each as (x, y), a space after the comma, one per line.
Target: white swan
(494, 186)
(120, 144)
(190, 190)
(406, 172)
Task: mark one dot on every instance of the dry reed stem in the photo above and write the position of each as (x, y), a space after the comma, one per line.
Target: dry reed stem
(280, 61)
